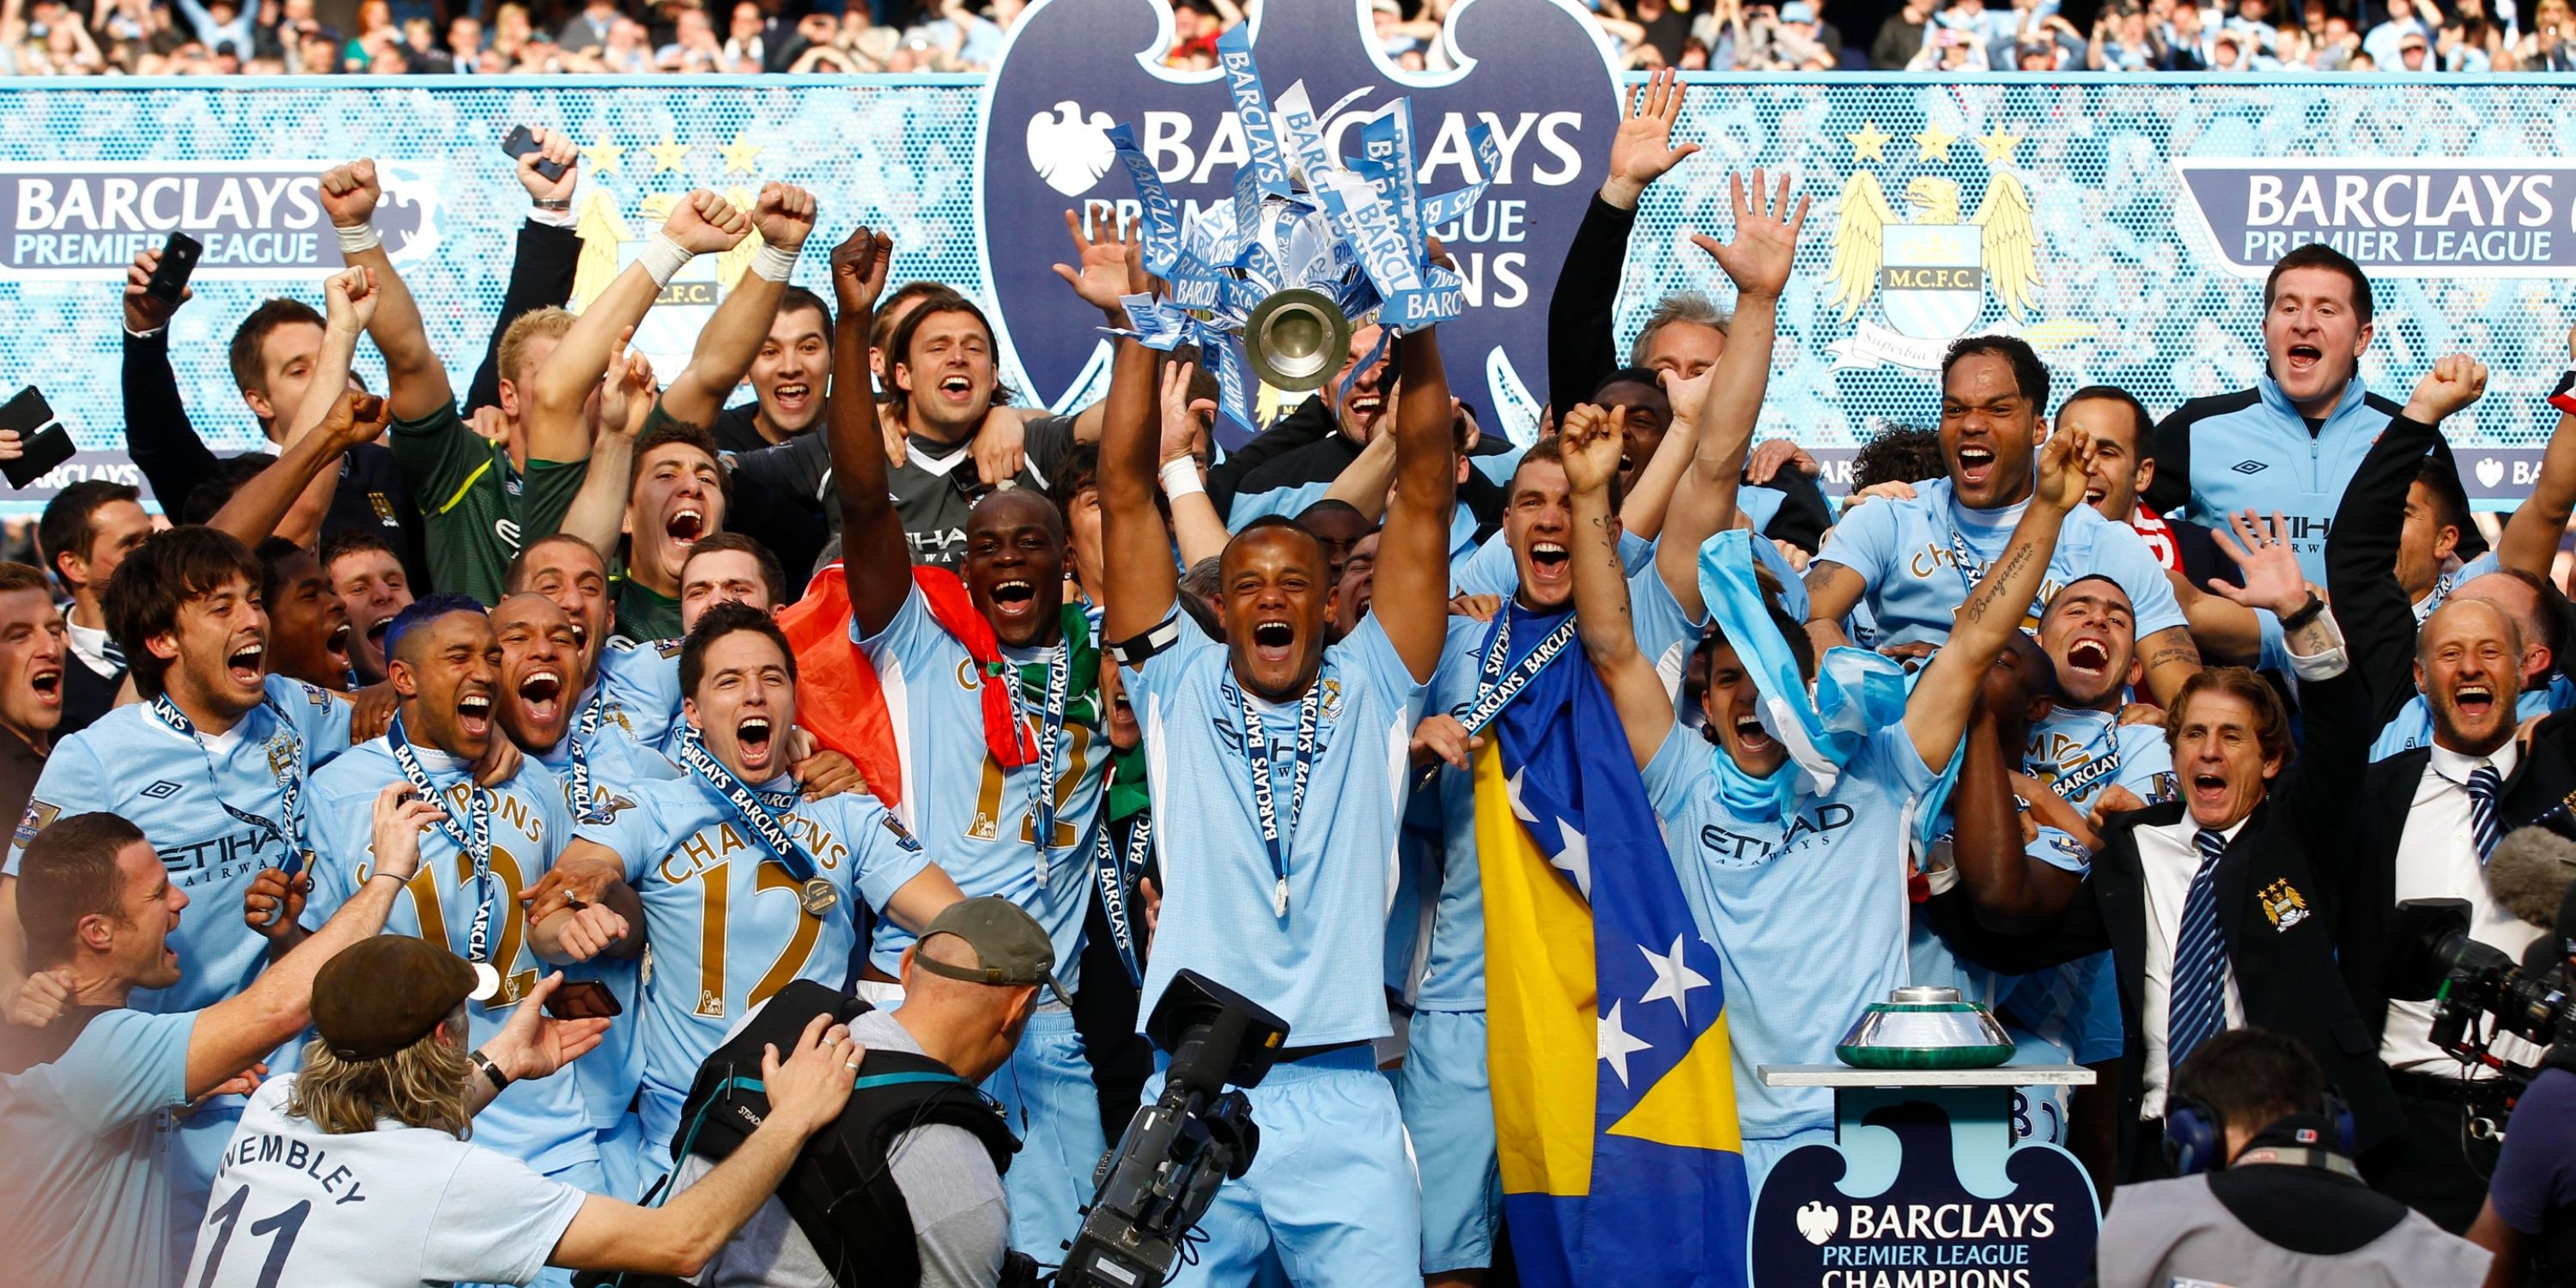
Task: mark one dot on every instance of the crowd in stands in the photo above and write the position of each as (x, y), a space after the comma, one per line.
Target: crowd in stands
(999, 719)
(631, 37)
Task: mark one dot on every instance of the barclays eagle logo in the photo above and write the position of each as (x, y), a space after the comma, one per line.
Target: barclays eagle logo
(1531, 71)
(1069, 152)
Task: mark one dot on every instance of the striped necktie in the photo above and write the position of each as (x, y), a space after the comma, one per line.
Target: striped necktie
(2484, 786)
(2198, 1005)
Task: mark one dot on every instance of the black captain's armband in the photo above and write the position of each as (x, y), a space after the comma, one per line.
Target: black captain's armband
(1134, 650)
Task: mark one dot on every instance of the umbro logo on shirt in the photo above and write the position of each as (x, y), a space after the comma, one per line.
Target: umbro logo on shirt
(161, 791)
(2251, 467)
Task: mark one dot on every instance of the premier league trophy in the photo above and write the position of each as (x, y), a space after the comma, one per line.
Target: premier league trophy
(1311, 248)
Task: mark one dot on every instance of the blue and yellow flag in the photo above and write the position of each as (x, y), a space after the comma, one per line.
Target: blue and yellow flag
(1614, 1092)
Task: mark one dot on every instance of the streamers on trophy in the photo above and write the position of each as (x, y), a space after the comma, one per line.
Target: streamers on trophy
(1312, 248)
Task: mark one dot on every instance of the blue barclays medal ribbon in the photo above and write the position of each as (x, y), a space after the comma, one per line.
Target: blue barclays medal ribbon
(475, 838)
(1494, 687)
(1112, 872)
(1265, 797)
(758, 813)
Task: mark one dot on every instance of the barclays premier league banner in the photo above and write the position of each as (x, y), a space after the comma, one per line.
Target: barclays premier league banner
(2120, 225)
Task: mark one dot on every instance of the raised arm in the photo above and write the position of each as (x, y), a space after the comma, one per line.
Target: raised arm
(1136, 544)
(2011, 891)
(1362, 484)
(258, 509)
(1589, 440)
(1936, 714)
(1196, 527)
(784, 216)
(597, 512)
(158, 437)
(1580, 312)
(875, 558)
(548, 258)
(700, 224)
(1758, 261)
(415, 381)
(1413, 550)
(2361, 549)
(2531, 536)
(349, 302)
(232, 1034)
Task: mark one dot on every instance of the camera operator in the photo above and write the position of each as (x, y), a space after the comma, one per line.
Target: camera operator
(2287, 1207)
(2529, 1221)
(969, 987)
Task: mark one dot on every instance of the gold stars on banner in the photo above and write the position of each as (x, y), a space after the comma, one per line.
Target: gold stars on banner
(739, 154)
(1999, 146)
(669, 154)
(1870, 144)
(1935, 143)
(602, 156)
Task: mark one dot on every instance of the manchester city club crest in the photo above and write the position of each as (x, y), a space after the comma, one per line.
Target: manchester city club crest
(1928, 262)
(2283, 905)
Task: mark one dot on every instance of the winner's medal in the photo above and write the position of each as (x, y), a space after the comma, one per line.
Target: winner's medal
(487, 981)
(818, 897)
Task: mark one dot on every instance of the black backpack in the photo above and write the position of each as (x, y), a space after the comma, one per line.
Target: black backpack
(840, 1190)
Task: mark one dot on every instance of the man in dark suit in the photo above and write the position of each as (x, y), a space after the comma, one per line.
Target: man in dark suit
(2430, 817)
(2219, 908)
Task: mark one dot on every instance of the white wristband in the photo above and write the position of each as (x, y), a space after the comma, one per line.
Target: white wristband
(1181, 477)
(353, 240)
(663, 258)
(773, 264)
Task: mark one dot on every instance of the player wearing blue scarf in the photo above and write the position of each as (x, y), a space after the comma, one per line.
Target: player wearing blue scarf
(1827, 784)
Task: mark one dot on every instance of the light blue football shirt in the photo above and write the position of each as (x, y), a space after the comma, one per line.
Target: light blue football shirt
(1454, 977)
(1808, 914)
(131, 764)
(610, 1074)
(979, 816)
(542, 1122)
(88, 1206)
(1903, 553)
(723, 919)
(1321, 966)
(2079, 753)
(640, 684)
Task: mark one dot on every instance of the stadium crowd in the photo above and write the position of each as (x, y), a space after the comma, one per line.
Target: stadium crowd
(998, 719)
(627, 37)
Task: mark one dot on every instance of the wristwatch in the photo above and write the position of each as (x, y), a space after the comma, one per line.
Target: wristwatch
(500, 1080)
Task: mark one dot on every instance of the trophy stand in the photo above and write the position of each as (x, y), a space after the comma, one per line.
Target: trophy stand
(1926, 1173)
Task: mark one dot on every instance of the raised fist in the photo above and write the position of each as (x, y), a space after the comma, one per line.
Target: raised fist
(784, 214)
(859, 266)
(350, 193)
(704, 224)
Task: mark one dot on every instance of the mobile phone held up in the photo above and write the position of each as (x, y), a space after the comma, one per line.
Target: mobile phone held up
(178, 260)
(521, 141)
(39, 452)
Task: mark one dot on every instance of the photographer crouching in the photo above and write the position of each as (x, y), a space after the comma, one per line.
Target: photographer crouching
(906, 1187)
(2266, 1191)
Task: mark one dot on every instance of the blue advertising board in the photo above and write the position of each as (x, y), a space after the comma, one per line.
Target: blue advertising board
(2120, 224)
